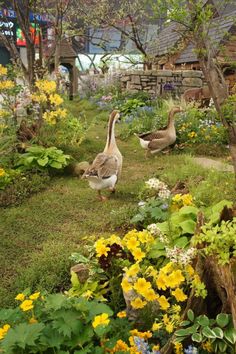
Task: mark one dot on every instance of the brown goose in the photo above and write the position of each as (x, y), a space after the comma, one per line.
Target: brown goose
(107, 166)
(160, 139)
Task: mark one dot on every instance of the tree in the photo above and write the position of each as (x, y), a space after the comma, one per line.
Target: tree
(131, 18)
(197, 18)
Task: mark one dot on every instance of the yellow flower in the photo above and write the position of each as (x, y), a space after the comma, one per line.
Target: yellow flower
(138, 254)
(167, 268)
(175, 279)
(32, 320)
(150, 295)
(121, 314)
(132, 243)
(6, 85)
(46, 86)
(101, 320)
(163, 302)
(177, 198)
(88, 294)
(120, 347)
(114, 239)
(141, 285)
(3, 70)
(161, 281)
(189, 269)
(39, 97)
(156, 347)
(26, 305)
(178, 348)
(179, 295)
(126, 286)
(207, 346)
(138, 303)
(4, 330)
(55, 99)
(133, 270)
(192, 135)
(152, 272)
(165, 319)
(101, 248)
(20, 297)
(61, 113)
(156, 326)
(176, 308)
(169, 327)
(187, 199)
(34, 296)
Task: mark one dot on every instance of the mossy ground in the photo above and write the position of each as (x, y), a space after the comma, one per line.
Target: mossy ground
(38, 236)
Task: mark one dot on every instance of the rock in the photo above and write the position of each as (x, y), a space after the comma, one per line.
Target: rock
(82, 272)
(192, 82)
(192, 73)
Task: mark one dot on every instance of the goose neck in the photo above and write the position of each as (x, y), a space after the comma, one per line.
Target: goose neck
(111, 140)
(171, 119)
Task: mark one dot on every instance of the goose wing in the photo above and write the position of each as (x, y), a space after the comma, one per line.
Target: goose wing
(158, 144)
(152, 135)
(103, 166)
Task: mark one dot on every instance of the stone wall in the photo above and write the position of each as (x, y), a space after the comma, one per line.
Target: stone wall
(159, 82)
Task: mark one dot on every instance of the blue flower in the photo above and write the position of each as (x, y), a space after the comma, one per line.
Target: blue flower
(191, 350)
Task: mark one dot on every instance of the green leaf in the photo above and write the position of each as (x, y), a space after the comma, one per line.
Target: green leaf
(222, 319)
(230, 335)
(184, 323)
(218, 332)
(101, 330)
(55, 301)
(43, 161)
(181, 242)
(186, 210)
(97, 308)
(207, 332)
(203, 320)
(190, 315)
(188, 226)
(22, 336)
(56, 165)
(197, 337)
(222, 346)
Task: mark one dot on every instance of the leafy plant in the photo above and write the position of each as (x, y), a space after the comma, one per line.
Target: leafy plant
(39, 157)
(219, 241)
(153, 210)
(56, 323)
(219, 333)
(131, 105)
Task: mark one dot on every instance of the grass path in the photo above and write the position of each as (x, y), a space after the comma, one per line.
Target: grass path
(37, 237)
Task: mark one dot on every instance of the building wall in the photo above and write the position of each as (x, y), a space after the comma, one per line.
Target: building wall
(159, 82)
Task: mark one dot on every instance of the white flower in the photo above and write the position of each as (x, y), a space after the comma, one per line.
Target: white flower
(164, 193)
(154, 229)
(141, 203)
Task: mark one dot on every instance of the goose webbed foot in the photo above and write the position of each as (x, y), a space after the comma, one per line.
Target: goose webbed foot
(147, 154)
(102, 198)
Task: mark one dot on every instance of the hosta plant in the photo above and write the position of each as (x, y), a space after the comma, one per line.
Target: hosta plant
(209, 335)
(39, 157)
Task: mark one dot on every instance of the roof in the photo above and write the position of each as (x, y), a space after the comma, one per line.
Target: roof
(66, 49)
(170, 36)
(166, 40)
(217, 33)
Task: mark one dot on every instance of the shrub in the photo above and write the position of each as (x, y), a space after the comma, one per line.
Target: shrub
(40, 158)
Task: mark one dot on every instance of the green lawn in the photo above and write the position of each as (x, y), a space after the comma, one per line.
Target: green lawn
(38, 236)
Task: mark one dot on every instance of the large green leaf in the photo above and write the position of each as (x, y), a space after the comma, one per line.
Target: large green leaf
(186, 210)
(188, 226)
(97, 308)
(56, 165)
(197, 337)
(218, 332)
(22, 336)
(208, 333)
(230, 335)
(222, 319)
(203, 320)
(181, 242)
(43, 161)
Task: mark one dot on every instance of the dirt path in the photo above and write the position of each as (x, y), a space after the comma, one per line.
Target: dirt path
(210, 163)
